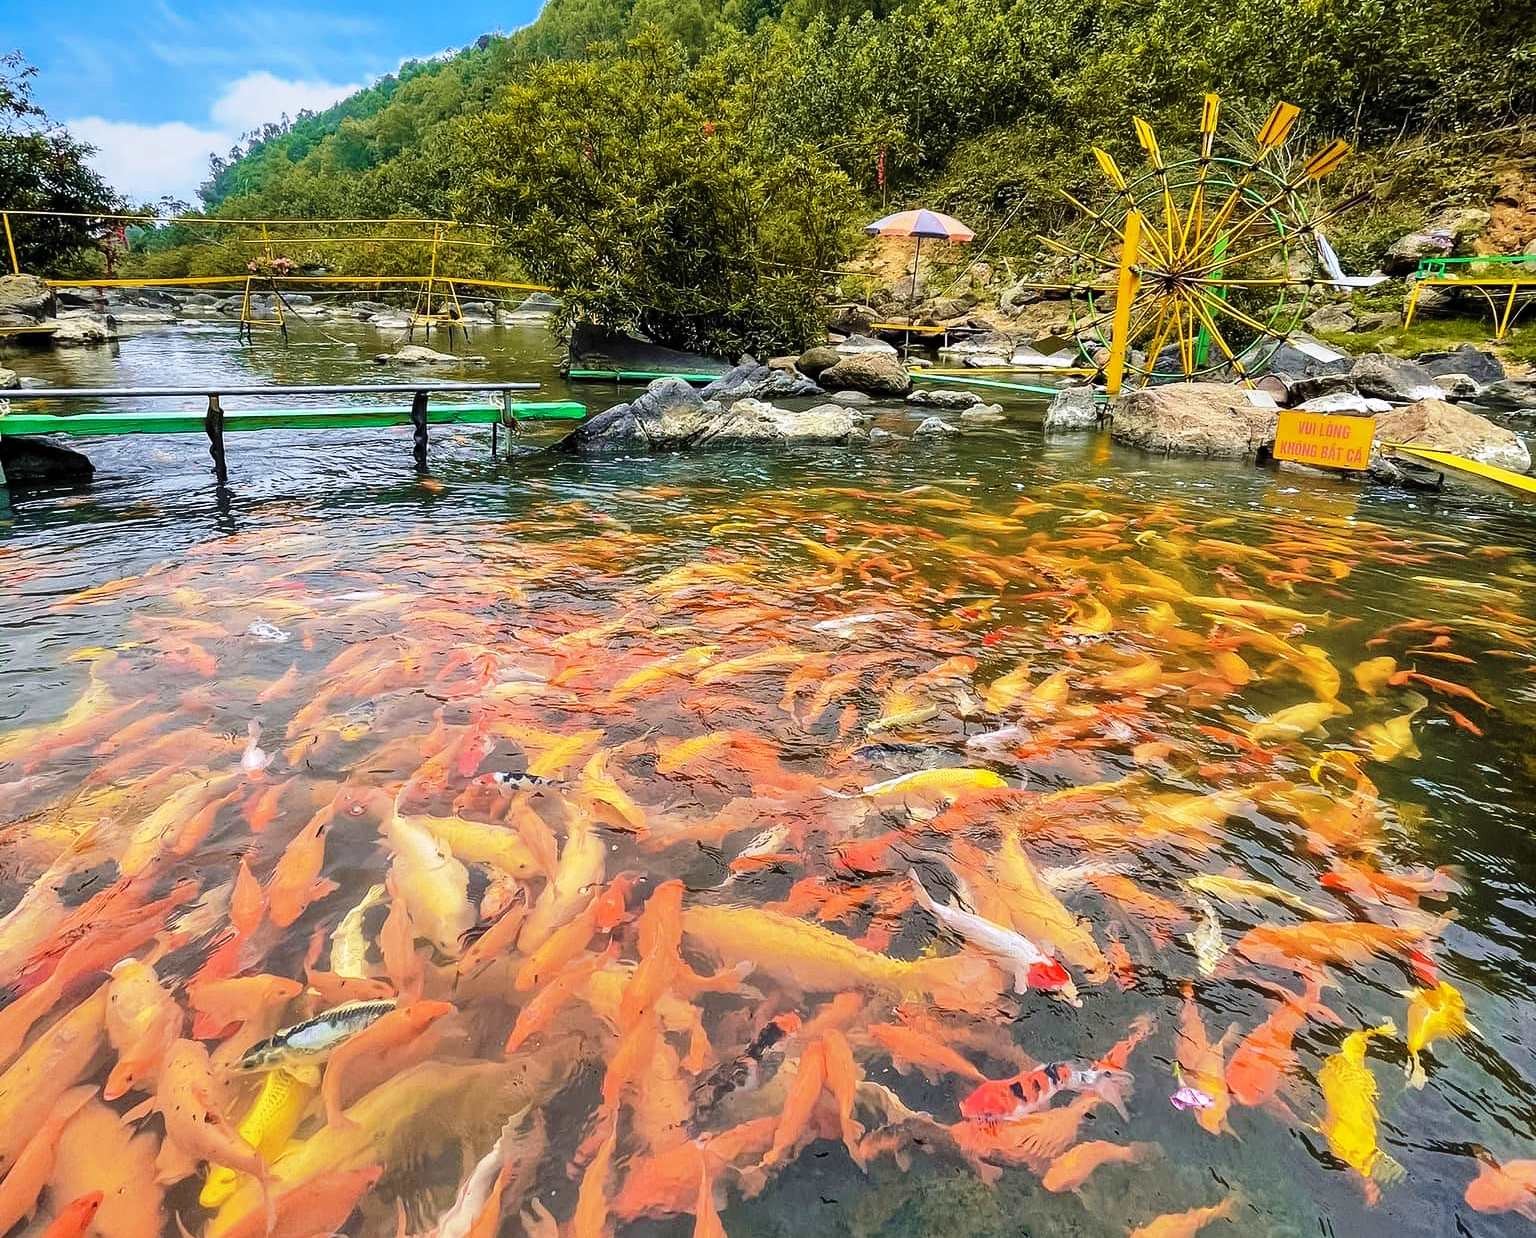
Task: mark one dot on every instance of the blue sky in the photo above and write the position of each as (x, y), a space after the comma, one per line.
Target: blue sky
(158, 84)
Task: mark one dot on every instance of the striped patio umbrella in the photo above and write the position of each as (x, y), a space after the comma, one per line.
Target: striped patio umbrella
(920, 225)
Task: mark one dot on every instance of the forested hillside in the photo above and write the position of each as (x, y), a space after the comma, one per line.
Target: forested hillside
(687, 165)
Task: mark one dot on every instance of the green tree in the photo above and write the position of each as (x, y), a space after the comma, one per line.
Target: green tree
(42, 168)
(654, 199)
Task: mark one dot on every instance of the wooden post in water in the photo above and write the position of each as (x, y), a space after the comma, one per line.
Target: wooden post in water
(213, 423)
(419, 421)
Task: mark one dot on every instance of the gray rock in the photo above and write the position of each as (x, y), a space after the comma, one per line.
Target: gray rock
(25, 300)
(1476, 363)
(986, 361)
(1448, 233)
(753, 381)
(1072, 408)
(1303, 357)
(857, 345)
(416, 354)
(943, 398)
(851, 399)
(9, 379)
(1301, 390)
(1336, 317)
(983, 415)
(1510, 395)
(875, 373)
(814, 360)
(934, 427)
(1200, 419)
(1343, 402)
(1445, 427)
(77, 328)
(1377, 320)
(1457, 386)
(990, 344)
(143, 315)
(672, 416)
(852, 320)
(877, 435)
(39, 462)
(1392, 378)
(389, 322)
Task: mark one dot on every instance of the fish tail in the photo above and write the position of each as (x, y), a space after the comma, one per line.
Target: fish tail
(1386, 1170)
(1415, 1072)
(1115, 1090)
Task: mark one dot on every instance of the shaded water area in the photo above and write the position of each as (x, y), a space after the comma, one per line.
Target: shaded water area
(722, 684)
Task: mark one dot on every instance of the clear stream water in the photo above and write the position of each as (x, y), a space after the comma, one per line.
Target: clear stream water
(527, 589)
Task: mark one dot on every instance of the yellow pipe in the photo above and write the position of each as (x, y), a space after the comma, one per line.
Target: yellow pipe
(1488, 472)
(192, 281)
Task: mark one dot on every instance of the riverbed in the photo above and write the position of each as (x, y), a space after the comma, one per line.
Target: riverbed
(722, 666)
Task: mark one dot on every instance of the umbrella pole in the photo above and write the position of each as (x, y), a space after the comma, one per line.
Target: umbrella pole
(917, 254)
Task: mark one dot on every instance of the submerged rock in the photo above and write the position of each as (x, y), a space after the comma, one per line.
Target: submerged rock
(40, 462)
(1510, 395)
(983, 415)
(416, 354)
(672, 416)
(1072, 408)
(934, 427)
(874, 373)
(1198, 419)
(1440, 426)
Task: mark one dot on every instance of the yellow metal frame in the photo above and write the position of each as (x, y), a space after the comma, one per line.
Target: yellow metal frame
(1502, 319)
(1488, 472)
(1168, 271)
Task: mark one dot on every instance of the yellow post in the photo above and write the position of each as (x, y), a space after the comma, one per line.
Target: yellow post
(1509, 313)
(1413, 304)
(10, 242)
(1125, 295)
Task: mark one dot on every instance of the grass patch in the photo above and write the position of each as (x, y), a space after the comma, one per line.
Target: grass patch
(1517, 350)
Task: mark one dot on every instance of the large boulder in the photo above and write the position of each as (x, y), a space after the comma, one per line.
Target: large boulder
(1450, 232)
(1318, 386)
(1516, 396)
(852, 320)
(748, 422)
(1445, 427)
(864, 343)
(672, 416)
(1474, 362)
(871, 372)
(935, 427)
(79, 328)
(983, 415)
(1333, 318)
(753, 381)
(1198, 419)
(39, 462)
(1392, 378)
(417, 354)
(1072, 408)
(814, 360)
(25, 300)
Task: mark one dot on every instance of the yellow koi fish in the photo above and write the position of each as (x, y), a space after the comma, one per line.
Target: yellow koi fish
(1386, 741)
(1004, 691)
(1371, 675)
(268, 1125)
(1295, 721)
(1249, 890)
(1349, 1122)
(945, 783)
(1432, 1015)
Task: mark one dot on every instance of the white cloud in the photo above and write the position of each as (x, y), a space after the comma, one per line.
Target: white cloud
(145, 161)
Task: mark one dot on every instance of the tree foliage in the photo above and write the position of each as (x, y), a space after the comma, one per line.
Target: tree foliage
(42, 168)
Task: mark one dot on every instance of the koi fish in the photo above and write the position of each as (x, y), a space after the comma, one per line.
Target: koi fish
(1031, 967)
(349, 947)
(1510, 1187)
(296, 880)
(1296, 721)
(1202, 1064)
(1350, 942)
(1188, 1224)
(1433, 1014)
(948, 783)
(303, 1047)
(143, 1021)
(394, 1027)
(1076, 1165)
(75, 1217)
(1248, 890)
(1349, 1122)
(21, 1188)
(1032, 1089)
(1264, 1056)
(1206, 939)
(267, 1126)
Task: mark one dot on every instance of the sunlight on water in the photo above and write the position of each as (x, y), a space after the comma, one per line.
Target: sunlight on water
(842, 839)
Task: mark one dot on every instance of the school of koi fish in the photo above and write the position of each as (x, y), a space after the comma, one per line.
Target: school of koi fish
(578, 875)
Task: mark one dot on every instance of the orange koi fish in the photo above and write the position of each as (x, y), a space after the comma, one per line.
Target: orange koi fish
(1076, 1165)
(296, 881)
(396, 1028)
(1202, 1065)
(1188, 1224)
(1265, 1056)
(22, 1186)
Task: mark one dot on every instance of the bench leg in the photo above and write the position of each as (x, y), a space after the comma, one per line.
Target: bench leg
(419, 424)
(213, 423)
